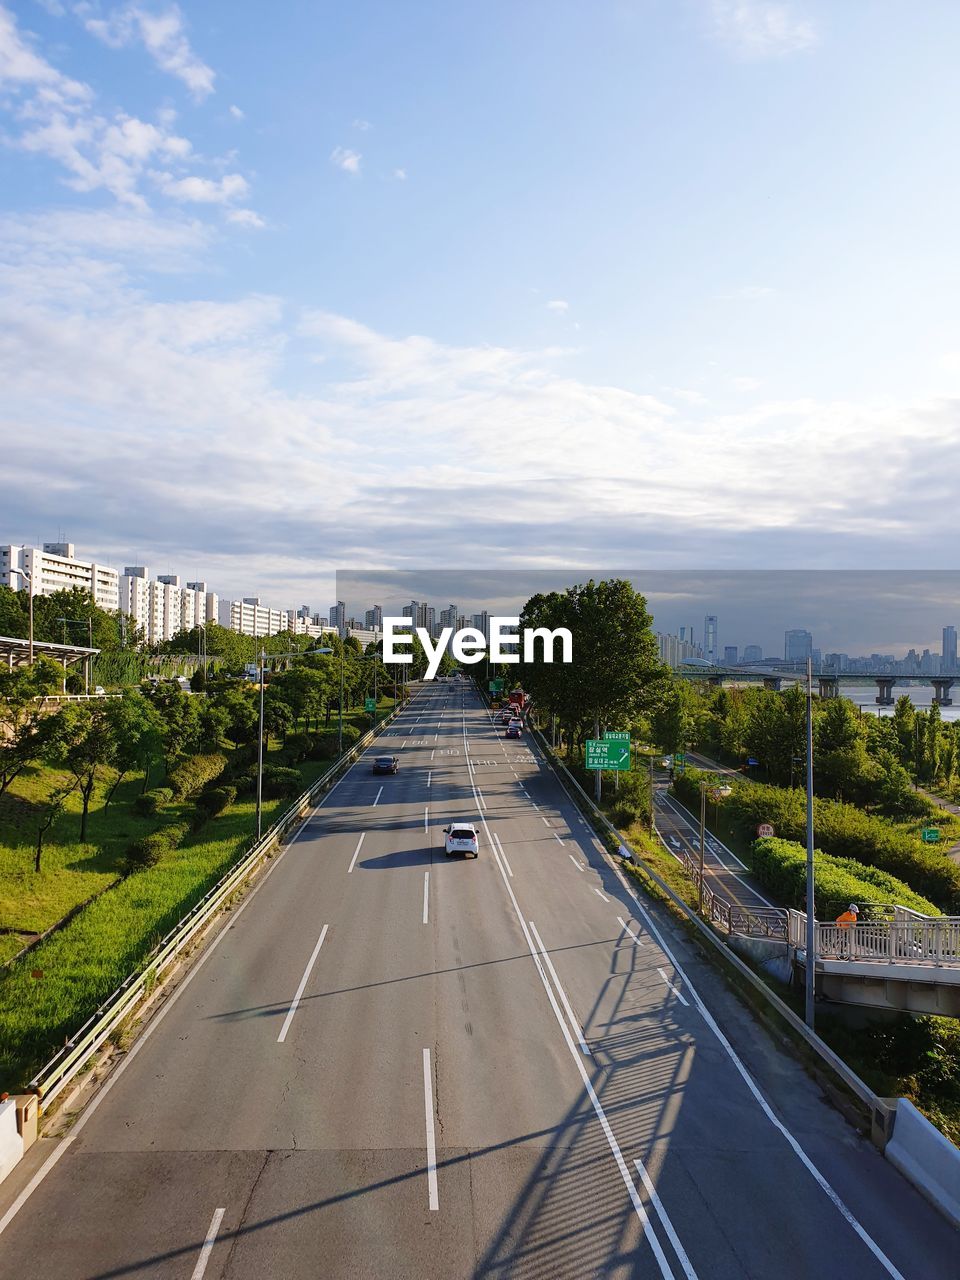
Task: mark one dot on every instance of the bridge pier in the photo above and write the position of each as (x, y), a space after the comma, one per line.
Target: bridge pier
(829, 686)
(941, 690)
(885, 687)
(773, 682)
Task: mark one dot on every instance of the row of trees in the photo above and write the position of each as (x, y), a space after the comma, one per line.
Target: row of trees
(868, 760)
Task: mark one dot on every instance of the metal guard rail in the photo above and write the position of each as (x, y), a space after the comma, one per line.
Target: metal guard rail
(64, 1065)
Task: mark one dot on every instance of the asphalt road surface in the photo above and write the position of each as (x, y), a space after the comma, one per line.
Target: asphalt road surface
(392, 1064)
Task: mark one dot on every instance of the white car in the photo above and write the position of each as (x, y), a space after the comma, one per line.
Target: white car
(462, 838)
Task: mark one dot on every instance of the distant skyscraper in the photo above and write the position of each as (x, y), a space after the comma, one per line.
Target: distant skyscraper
(373, 618)
(752, 652)
(338, 614)
(730, 655)
(797, 645)
(948, 662)
(710, 643)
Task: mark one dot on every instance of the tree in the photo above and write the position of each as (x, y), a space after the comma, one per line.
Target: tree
(904, 725)
(239, 706)
(615, 675)
(85, 745)
(135, 728)
(178, 720)
(51, 811)
(25, 727)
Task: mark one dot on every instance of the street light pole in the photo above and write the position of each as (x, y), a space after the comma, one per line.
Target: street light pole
(340, 708)
(260, 750)
(703, 826)
(811, 931)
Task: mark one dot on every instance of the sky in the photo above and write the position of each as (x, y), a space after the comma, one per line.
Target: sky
(291, 289)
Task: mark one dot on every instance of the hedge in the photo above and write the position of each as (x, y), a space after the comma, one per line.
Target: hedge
(148, 851)
(193, 773)
(847, 832)
(215, 799)
(149, 802)
(279, 783)
(781, 866)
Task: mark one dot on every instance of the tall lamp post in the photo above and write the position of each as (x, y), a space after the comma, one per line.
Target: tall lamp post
(28, 579)
(811, 931)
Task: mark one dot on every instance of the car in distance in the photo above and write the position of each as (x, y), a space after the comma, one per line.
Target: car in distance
(385, 764)
(514, 729)
(461, 837)
(506, 715)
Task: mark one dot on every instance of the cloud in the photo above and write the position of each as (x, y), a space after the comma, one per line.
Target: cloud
(232, 186)
(345, 159)
(559, 305)
(55, 116)
(237, 113)
(162, 35)
(745, 384)
(400, 175)
(760, 28)
(362, 125)
(246, 218)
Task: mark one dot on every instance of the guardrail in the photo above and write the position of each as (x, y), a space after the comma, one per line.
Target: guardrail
(61, 1069)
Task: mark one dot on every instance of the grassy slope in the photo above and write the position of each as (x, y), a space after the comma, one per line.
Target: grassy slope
(86, 960)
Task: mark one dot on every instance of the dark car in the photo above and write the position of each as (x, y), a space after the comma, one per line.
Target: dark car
(386, 764)
(514, 729)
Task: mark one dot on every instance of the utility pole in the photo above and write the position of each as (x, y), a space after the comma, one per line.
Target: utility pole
(811, 924)
(598, 784)
(653, 820)
(340, 708)
(703, 833)
(260, 750)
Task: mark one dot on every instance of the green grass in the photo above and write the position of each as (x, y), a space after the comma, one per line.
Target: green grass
(82, 963)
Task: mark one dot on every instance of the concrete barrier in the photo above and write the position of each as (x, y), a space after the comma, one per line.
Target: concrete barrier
(11, 1144)
(931, 1161)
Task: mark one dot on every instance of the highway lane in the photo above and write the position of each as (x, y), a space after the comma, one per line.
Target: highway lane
(316, 1146)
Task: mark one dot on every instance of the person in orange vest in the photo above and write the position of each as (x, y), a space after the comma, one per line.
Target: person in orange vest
(845, 921)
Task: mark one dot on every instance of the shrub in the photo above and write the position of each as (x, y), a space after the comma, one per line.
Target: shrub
(150, 802)
(195, 772)
(781, 866)
(148, 851)
(324, 747)
(297, 747)
(215, 799)
(280, 783)
(847, 832)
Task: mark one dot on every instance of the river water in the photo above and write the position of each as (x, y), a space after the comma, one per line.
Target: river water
(921, 695)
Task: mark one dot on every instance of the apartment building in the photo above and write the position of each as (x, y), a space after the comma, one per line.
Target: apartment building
(251, 617)
(163, 607)
(55, 567)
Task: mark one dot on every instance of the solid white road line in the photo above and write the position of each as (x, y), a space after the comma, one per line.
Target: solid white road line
(626, 928)
(577, 1030)
(207, 1248)
(556, 836)
(303, 982)
(544, 821)
(600, 895)
(429, 774)
(433, 1193)
(675, 990)
(353, 860)
(754, 1089)
(577, 864)
(433, 753)
(426, 817)
(376, 798)
(426, 896)
(664, 1217)
(506, 862)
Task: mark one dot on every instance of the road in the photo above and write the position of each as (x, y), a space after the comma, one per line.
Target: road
(391, 1064)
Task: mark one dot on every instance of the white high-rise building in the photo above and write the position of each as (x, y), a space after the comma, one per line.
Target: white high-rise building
(55, 567)
(373, 618)
(250, 617)
(163, 607)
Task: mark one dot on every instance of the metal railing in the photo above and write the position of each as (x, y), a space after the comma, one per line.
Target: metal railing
(56, 1074)
(931, 941)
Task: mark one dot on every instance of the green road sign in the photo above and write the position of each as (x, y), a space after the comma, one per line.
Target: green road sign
(616, 735)
(604, 753)
(496, 686)
(679, 757)
(370, 704)
(930, 834)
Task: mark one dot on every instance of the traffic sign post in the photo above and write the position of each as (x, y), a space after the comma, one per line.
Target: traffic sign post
(496, 686)
(930, 835)
(606, 753)
(370, 705)
(764, 831)
(622, 736)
